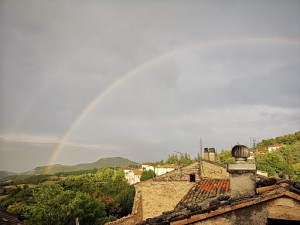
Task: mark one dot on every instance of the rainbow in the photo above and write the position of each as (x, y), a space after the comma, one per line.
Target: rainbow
(143, 66)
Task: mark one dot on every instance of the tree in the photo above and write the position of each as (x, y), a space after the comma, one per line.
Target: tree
(55, 206)
(274, 164)
(147, 174)
(225, 157)
(126, 198)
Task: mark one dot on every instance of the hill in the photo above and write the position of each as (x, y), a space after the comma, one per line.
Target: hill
(101, 163)
(6, 174)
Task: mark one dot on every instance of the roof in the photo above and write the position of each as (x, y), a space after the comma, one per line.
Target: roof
(137, 172)
(167, 166)
(276, 145)
(195, 210)
(204, 189)
(10, 219)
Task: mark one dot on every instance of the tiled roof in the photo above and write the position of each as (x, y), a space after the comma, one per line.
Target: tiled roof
(137, 172)
(9, 219)
(204, 189)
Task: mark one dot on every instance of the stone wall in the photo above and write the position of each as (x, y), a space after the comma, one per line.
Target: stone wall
(282, 208)
(161, 196)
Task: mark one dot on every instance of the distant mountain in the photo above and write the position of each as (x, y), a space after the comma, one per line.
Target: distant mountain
(101, 163)
(6, 174)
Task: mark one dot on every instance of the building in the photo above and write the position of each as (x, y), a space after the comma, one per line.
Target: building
(159, 169)
(132, 176)
(243, 199)
(274, 147)
(162, 193)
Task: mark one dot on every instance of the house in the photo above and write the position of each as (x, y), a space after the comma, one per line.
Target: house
(244, 198)
(10, 219)
(147, 166)
(162, 169)
(162, 193)
(133, 176)
(274, 147)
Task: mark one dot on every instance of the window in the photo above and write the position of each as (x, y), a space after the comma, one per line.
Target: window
(192, 178)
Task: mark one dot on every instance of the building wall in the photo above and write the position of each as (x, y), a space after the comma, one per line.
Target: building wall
(203, 169)
(162, 193)
(282, 208)
(160, 196)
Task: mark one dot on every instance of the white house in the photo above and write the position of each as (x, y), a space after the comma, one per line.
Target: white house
(162, 169)
(147, 166)
(274, 147)
(133, 176)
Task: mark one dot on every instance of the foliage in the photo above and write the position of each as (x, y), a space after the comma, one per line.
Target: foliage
(94, 198)
(183, 159)
(225, 157)
(55, 206)
(274, 164)
(77, 172)
(25, 179)
(125, 198)
(286, 140)
(147, 174)
(104, 220)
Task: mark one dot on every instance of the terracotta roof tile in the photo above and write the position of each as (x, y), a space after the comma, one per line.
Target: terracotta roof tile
(205, 189)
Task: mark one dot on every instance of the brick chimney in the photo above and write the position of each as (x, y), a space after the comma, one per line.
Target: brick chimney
(241, 173)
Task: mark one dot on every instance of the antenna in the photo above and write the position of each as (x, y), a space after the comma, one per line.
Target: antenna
(200, 147)
(253, 141)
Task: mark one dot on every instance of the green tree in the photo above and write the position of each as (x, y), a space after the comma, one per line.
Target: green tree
(126, 198)
(147, 174)
(274, 164)
(225, 157)
(55, 206)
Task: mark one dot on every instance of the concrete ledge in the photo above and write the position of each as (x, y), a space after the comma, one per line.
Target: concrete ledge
(251, 167)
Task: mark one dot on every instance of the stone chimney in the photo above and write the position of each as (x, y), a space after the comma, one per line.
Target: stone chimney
(212, 153)
(206, 154)
(241, 173)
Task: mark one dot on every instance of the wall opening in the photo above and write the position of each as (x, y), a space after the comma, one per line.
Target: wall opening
(192, 178)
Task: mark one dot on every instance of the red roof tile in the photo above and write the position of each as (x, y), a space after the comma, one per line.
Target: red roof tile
(205, 189)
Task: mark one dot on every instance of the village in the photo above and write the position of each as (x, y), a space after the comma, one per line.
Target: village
(206, 192)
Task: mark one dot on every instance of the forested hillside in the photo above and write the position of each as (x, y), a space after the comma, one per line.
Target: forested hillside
(94, 198)
(281, 162)
(112, 162)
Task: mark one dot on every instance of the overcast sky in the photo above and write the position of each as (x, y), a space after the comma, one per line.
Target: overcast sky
(142, 79)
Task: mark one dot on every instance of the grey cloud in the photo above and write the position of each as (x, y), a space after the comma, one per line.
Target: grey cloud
(57, 56)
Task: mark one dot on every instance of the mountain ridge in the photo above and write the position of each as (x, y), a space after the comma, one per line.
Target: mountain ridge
(4, 173)
(101, 163)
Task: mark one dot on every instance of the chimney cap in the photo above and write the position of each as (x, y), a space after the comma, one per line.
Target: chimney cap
(241, 153)
(212, 150)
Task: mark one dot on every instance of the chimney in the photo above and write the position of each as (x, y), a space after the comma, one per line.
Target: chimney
(241, 173)
(206, 154)
(212, 153)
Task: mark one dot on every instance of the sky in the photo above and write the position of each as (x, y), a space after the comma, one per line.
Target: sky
(84, 80)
